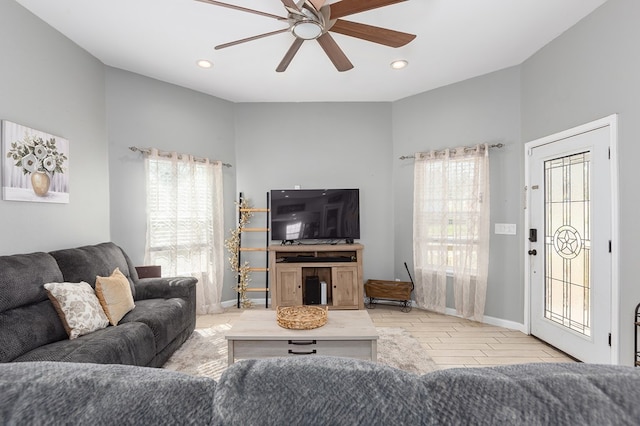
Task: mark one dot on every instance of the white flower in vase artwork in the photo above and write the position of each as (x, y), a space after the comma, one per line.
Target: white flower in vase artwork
(36, 165)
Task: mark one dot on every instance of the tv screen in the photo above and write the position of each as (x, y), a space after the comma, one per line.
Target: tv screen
(315, 214)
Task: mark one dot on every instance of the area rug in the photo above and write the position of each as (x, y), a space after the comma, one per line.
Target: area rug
(205, 352)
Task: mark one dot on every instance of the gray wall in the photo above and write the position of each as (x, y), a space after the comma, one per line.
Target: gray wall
(482, 109)
(147, 113)
(592, 71)
(50, 84)
(323, 145)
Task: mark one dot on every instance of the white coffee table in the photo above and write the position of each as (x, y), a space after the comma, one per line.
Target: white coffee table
(256, 334)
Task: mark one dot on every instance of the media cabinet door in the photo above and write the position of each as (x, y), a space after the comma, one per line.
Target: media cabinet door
(345, 286)
(344, 279)
(289, 286)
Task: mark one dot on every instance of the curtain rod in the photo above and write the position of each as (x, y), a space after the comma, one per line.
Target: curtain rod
(466, 148)
(168, 154)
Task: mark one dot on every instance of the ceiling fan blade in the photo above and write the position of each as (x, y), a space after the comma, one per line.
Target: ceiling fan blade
(256, 37)
(290, 4)
(334, 52)
(289, 55)
(378, 35)
(293, 8)
(317, 3)
(243, 9)
(349, 7)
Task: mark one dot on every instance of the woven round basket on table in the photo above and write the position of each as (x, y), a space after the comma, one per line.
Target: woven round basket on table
(301, 317)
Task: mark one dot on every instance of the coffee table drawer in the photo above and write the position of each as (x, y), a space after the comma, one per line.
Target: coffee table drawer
(363, 349)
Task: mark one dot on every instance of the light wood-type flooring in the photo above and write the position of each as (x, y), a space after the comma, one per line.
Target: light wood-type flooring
(448, 340)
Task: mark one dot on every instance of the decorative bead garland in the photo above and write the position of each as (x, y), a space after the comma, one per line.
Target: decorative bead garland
(233, 246)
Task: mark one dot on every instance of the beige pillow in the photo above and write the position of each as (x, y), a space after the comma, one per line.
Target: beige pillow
(115, 295)
(78, 307)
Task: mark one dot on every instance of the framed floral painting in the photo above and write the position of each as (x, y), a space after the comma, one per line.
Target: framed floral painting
(35, 166)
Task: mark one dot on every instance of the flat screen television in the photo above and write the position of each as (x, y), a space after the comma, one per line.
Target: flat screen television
(315, 214)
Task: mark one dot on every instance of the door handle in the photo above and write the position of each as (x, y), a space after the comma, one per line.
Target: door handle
(533, 252)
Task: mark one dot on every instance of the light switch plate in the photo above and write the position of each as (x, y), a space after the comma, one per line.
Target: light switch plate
(505, 228)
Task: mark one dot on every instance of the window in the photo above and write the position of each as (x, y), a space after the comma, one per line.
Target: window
(180, 213)
(184, 222)
(451, 227)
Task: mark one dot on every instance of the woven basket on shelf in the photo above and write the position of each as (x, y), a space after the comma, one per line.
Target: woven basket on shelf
(301, 317)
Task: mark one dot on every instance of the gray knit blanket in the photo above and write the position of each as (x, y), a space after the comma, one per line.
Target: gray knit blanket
(319, 391)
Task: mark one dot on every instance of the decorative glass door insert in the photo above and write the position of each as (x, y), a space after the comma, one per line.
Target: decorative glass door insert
(568, 241)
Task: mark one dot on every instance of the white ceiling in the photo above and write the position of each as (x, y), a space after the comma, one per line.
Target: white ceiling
(163, 39)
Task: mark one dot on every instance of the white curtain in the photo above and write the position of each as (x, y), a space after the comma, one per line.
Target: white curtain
(185, 230)
(451, 228)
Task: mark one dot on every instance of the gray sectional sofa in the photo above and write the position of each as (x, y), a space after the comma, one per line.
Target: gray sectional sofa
(319, 391)
(31, 329)
(310, 390)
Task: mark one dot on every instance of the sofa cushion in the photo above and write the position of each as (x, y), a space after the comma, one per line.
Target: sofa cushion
(131, 343)
(114, 294)
(78, 307)
(167, 318)
(22, 276)
(88, 262)
(541, 394)
(314, 390)
(28, 327)
(46, 393)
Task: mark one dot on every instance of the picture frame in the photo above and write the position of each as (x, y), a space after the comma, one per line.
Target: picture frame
(35, 165)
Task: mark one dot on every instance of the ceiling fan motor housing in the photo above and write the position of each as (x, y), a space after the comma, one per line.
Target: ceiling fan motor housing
(307, 24)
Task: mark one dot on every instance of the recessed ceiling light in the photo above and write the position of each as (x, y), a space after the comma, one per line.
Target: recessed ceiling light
(398, 65)
(203, 63)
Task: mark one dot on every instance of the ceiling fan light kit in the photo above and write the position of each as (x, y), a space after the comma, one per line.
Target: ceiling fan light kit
(306, 30)
(313, 20)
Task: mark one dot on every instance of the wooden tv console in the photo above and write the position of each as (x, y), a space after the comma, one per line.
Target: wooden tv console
(337, 265)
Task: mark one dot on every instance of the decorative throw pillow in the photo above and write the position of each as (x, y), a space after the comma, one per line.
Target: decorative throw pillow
(78, 307)
(114, 294)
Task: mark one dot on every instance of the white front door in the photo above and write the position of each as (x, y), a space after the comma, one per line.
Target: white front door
(569, 184)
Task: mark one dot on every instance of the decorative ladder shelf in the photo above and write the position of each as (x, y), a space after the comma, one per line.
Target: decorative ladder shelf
(264, 249)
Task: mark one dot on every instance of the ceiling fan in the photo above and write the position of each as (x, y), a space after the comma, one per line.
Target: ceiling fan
(313, 19)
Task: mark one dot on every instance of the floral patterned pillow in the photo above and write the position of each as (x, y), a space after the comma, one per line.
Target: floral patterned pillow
(78, 307)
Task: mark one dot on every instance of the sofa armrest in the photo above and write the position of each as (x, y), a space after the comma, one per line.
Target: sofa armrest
(166, 288)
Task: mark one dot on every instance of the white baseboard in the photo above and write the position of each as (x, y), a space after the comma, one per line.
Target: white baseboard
(499, 322)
